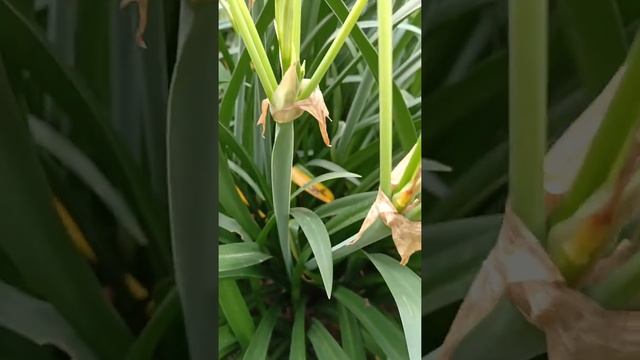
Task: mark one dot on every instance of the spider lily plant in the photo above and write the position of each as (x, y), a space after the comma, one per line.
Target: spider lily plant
(295, 101)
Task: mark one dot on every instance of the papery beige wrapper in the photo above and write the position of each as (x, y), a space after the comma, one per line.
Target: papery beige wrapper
(406, 234)
(143, 8)
(285, 108)
(575, 326)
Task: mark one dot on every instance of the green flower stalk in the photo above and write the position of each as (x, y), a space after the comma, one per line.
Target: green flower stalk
(288, 100)
(385, 12)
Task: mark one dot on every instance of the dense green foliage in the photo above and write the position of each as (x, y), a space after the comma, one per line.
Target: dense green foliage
(124, 138)
(335, 302)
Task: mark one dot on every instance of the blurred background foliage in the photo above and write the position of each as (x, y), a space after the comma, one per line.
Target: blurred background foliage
(466, 99)
(84, 121)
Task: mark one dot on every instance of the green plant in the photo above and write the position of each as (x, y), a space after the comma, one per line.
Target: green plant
(109, 155)
(297, 242)
(465, 218)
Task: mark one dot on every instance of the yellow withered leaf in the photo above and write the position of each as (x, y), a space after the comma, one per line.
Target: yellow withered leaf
(136, 289)
(301, 177)
(76, 235)
(143, 8)
(403, 197)
(242, 197)
(284, 108)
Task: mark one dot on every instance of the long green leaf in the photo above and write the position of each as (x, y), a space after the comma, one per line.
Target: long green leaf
(324, 177)
(376, 232)
(239, 255)
(26, 213)
(281, 162)
(226, 340)
(230, 199)
(385, 332)
(350, 334)
(259, 344)
(39, 322)
(405, 288)
(192, 173)
(235, 311)
(232, 225)
(319, 241)
(78, 163)
(91, 131)
(297, 350)
(14, 346)
(621, 118)
(145, 345)
(324, 344)
(242, 68)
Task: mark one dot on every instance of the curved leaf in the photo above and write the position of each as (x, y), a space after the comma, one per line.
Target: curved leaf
(319, 241)
(405, 288)
(239, 255)
(169, 310)
(324, 177)
(78, 163)
(260, 341)
(231, 225)
(191, 141)
(297, 350)
(324, 344)
(61, 276)
(386, 333)
(40, 322)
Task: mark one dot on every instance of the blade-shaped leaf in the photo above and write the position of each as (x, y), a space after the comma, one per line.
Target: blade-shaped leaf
(376, 232)
(235, 311)
(239, 255)
(297, 350)
(350, 334)
(169, 311)
(405, 288)
(385, 332)
(61, 276)
(78, 163)
(232, 225)
(324, 177)
(319, 241)
(40, 322)
(191, 142)
(281, 162)
(259, 344)
(324, 345)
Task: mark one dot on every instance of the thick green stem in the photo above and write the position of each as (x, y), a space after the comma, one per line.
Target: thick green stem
(335, 47)
(528, 110)
(385, 93)
(244, 25)
(288, 18)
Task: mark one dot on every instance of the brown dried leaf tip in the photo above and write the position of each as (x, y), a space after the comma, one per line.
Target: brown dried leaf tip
(406, 234)
(143, 8)
(284, 108)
